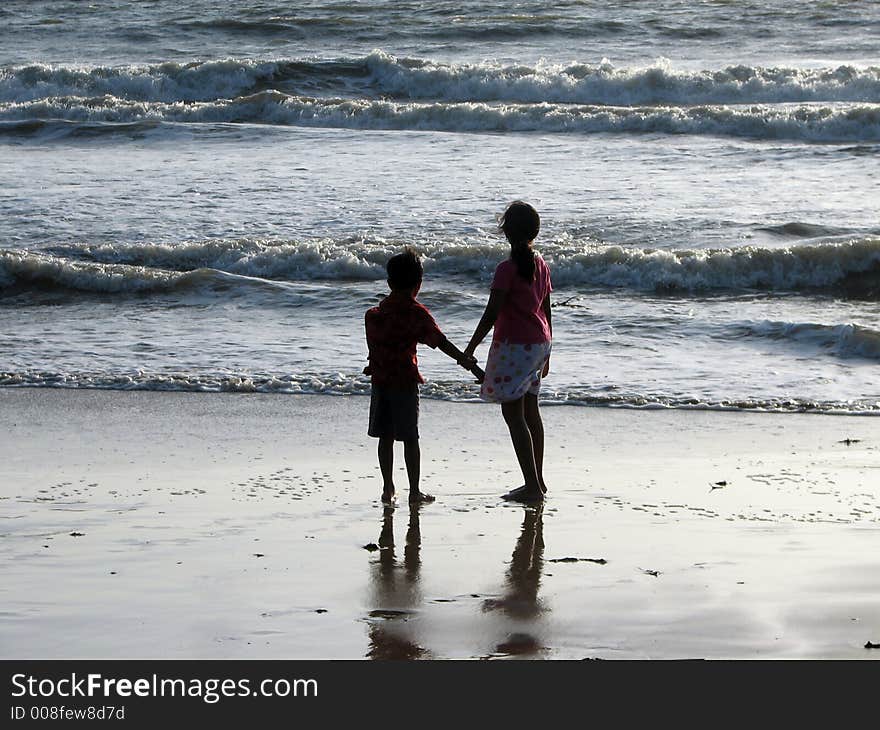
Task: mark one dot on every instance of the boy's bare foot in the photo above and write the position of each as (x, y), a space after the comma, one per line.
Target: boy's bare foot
(389, 498)
(420, 498)
(523, 494)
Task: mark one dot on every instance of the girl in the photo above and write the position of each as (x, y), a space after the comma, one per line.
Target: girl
(519, 310)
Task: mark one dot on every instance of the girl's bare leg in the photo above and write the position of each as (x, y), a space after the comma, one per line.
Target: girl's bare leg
(514, 416)
(536, 429)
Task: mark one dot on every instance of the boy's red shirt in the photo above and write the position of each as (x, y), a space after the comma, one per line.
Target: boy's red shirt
(394, 328)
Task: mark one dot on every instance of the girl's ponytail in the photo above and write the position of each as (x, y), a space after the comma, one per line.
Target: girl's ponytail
(521, 224)
(524, 258)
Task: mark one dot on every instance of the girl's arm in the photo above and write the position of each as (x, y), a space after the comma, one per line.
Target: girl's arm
(487, 321)
(545, 305)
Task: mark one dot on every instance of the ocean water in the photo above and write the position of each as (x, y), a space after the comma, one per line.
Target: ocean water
(202, 196)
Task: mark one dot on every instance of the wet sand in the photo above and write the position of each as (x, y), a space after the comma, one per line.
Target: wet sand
(138, 524)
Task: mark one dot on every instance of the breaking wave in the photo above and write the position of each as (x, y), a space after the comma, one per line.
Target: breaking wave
(381, 75)
(843, 340)
(853, 123)
(382, 92)
(851, 267)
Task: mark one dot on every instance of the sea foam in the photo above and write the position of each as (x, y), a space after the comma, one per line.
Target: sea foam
(342, 384)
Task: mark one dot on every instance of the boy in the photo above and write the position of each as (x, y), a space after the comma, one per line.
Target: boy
(394, 328)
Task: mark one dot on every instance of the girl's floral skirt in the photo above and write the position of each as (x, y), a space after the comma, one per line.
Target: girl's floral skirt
(513, 370)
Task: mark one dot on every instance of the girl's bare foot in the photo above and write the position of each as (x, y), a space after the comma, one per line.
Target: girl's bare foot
(521, 490)
(523, 494)
(420, 498)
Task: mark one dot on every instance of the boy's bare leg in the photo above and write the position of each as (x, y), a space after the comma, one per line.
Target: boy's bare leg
(536, 429)
(411, 553)
(386, 466)
(412, 454)
(514, 415)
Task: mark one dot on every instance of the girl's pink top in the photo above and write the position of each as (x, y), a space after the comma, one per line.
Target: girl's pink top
(521, 320)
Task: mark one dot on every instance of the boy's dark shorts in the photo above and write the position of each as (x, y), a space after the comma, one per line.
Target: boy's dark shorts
(394, 412)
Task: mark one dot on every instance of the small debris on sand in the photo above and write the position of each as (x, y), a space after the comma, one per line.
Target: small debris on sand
(371, 546)
(77, 534)
(598, 561)
(259, 555)
(872, 645)
(320, 610)
(655, 573)
(850, 442)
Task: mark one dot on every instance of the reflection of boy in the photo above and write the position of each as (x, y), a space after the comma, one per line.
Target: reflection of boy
(394, 329)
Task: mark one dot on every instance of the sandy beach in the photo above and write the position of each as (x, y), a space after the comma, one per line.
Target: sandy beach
(149, 524)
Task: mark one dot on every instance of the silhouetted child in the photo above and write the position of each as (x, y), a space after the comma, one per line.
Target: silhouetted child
(519, 358)
(394, 329)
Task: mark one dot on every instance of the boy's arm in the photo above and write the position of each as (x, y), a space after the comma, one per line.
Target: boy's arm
(447, 348)
(468, 362)
(487, 321)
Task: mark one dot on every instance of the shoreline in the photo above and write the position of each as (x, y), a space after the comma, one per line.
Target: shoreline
(235, 527)
(425, 394)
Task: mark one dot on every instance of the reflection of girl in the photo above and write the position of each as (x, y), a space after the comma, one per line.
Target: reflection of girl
(519, 310)
(520, 601)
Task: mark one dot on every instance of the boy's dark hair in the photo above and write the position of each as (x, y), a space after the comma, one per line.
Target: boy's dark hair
(404, 270)
(521, 224)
